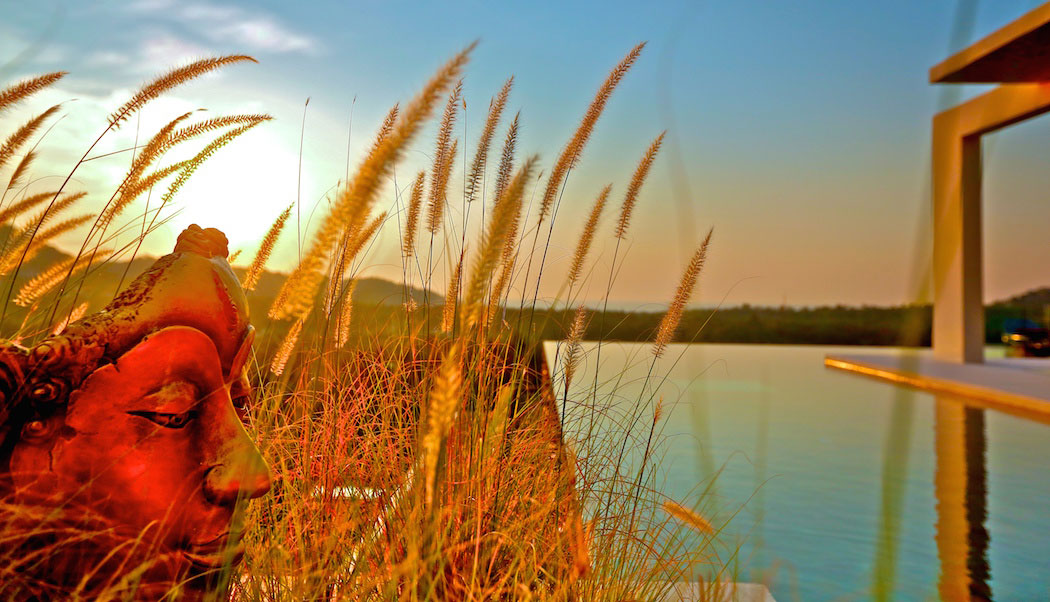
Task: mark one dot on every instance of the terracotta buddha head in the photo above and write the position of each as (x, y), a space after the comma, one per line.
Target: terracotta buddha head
(128, 427)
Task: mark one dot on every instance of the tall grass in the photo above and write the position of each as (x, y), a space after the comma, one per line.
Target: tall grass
(422, 457)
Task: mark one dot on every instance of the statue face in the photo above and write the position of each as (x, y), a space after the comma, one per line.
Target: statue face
(154, 445)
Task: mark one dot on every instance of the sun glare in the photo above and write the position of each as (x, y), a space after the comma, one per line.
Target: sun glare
(243, 188)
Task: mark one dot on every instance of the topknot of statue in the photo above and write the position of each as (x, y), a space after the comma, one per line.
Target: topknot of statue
(206, 242)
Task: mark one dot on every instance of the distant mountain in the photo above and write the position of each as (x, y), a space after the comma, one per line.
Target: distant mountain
(1033, 300)
(108, 278)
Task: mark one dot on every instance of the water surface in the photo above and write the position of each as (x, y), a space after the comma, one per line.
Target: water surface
(840, 484)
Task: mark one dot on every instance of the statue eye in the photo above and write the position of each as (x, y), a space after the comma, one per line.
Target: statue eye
(170, 421)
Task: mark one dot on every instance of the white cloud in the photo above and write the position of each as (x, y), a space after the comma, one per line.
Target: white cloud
(263, 34)
(166, 50)
(232, 25)
(107, 58)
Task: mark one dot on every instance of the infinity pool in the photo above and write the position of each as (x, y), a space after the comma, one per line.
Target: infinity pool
(835, 485)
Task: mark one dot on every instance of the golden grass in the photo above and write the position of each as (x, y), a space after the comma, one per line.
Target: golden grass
(14, 94)
(355, 199)
(570, 155)
(169, 80)
(688, 516)
(477, 166)
(22, 135)
(255, 269)
(448, 312)
(640, 173)
(444, 158)
(506, 161)
(415, 203)
(414, 460)
(583, 246)
(669, 323)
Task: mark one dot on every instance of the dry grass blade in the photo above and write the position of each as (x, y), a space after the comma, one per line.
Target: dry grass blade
(73, 316)
(572, 352)
(437, 203)
(18, 92)
(570, 155)
(488, 254)
(21, 170)
(669, 323)
(189, 167)
(444, 157)
(587, 236)
(387, 126)
(345, 313)
(635, 186)
(355, 199)
(506, 161)
(13, 257)
(137, 188)
(448, 312)
(286, 348)
(251, 277)
(43, 282)
(445, 397)
(23, 134)
(689, 517)
(477, 166)
(150, 152)
(169, 80)
(208, 125)
(415, 203)
(355, 240)
(24, 205)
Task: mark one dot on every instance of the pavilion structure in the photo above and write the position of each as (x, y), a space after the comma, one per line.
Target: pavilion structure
(1017, 59)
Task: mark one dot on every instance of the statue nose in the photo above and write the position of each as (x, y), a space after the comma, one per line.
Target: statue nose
(241, 475)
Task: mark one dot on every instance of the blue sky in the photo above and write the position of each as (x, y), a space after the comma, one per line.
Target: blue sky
(798, 130)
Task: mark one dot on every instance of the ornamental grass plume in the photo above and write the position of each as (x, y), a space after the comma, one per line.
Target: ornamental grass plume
(570, 155)
(22, 135)
(353, 242)
(387, 126)
(506, 161)
(345, 313)
(477, 166)
(255, 269)
(415, 203)
(689, 517)
(640, 172)
(669, 323)
(16, 209)
(280, 359)
(444, 158)
(16, 93)
(169, 80)
(488, 254)
(43, 282)
(572, 352)
(355, 199)
(445, 397)
(448, 312)
(77, 313)
(587, 236)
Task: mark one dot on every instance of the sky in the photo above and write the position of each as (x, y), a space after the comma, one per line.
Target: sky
(798, 131)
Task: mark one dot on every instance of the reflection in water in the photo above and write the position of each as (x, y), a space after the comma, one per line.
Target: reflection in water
(961, 488)
(893, 481)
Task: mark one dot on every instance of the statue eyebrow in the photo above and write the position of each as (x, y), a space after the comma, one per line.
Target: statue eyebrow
(173, 394)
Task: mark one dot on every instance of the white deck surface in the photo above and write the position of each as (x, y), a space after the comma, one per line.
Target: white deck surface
(1017, 385)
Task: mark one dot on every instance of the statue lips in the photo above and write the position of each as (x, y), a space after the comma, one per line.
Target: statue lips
(223, 551)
